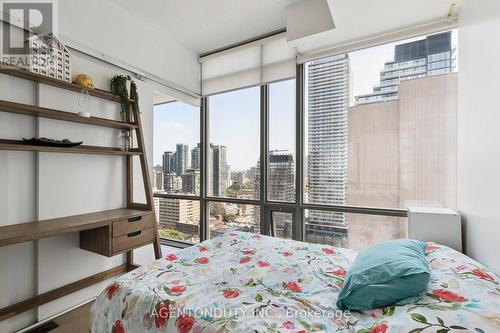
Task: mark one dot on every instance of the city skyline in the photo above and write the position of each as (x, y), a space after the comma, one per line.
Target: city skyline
(179, 122)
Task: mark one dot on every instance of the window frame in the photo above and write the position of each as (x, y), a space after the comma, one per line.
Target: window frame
(298, 207)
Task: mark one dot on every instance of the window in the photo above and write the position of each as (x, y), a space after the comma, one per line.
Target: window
(281, 160)
(282, 224)
(176, 156)
(322, 227)
(178, 219)
(176, 149)
(378, 147)
(360, 231)
(226, 217)
(376, 134)
(234, 150)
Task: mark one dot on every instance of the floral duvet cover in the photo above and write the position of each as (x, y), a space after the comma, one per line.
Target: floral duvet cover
(242, 282)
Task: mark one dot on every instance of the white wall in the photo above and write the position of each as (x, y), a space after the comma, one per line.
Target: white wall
(109, 29)
(478, 130)
(17, 202)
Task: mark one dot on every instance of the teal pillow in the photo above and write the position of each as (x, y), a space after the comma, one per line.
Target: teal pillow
(384, 274)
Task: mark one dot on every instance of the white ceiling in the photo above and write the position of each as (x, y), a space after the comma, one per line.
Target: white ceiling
(204, 25)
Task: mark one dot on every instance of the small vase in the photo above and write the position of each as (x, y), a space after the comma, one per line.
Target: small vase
(126, 140)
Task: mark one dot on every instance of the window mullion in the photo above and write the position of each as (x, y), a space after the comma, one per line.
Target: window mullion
(264, 153)
(204, 213)
(298, 225)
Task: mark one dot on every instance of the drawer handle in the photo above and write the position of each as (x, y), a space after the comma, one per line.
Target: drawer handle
(135, 233)
(134, 219)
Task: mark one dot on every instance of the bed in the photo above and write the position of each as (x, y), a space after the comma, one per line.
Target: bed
(243, 282)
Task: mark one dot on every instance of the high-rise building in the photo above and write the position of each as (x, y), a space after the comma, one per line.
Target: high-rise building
(181, 215)
(281, 176)
(281, 187)
(195, 157)
(168, 162)
(220, 170)
(425, 57)
(173, 183)
(181, 158)
(329, 95)
(158, 181)
(238, 178)
(191, 182)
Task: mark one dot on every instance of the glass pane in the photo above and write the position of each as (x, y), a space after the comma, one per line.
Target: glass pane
(225, 217)
(178, 219)
(282, 223)
(176, 149)
(281, 163)
(327, 97)
(359, 231)
(323, 227)
(381, 126)
(233, 156)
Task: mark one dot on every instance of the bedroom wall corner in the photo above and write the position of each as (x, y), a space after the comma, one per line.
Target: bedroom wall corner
(478, 166)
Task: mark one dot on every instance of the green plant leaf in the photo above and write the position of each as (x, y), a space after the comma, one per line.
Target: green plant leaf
(258, 297)
(440, 321)
(419, 318)
(443, 330)
(456, 327)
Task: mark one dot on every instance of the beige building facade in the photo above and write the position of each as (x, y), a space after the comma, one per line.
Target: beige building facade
(402, 153)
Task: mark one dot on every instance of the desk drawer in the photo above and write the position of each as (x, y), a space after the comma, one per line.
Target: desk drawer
(132, 240)
(133, 224)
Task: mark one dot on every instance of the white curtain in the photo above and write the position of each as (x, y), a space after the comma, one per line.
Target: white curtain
(263, 61)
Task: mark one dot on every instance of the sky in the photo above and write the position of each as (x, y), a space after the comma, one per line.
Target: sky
(234, 116)
(234, 122)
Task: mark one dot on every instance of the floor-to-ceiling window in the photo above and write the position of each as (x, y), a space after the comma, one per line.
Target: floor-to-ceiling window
(332, 156)
(176, 171)
(380, 131)
(233, 161)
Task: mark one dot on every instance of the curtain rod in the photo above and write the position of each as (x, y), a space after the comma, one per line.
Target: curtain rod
(243, 42)
(391, 36)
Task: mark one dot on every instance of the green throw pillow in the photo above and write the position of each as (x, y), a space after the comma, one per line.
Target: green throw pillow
(384, 274)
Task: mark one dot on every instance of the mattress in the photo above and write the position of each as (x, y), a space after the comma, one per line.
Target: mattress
(243, 282)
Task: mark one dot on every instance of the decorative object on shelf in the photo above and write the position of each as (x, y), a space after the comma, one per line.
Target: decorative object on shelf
(121, 86)
(49, 57)
(84, 81)
(126, 140)
(43, 141)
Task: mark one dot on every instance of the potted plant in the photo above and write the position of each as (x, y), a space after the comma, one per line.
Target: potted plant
(120, 86)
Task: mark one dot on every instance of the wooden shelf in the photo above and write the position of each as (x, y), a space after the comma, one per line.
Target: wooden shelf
(23, 232)
(23, 74)
(107, 233)
(97, 150)
(36, 111)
